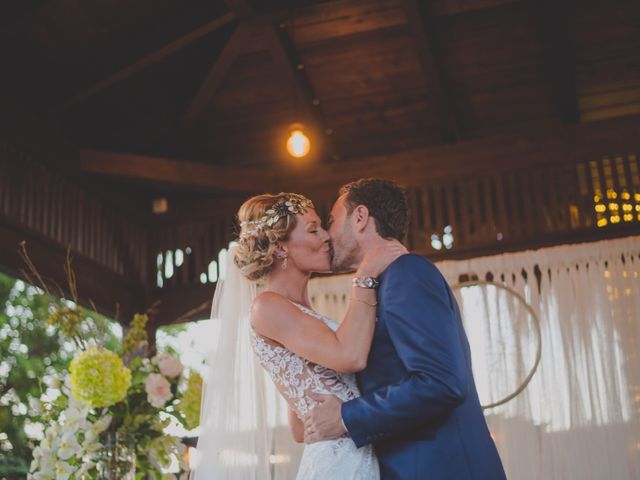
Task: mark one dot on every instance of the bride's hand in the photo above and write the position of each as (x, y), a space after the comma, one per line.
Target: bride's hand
(379, 258)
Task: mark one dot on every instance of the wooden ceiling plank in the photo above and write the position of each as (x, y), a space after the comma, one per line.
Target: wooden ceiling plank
(242, 9)
(146, 61)
(421, 26)
(456, 7)
(346, 19)
(554, 25)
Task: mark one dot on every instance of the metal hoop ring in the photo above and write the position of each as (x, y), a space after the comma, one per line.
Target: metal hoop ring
(536, 323)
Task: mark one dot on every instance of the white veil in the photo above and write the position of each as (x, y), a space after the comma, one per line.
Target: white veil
(243, 434)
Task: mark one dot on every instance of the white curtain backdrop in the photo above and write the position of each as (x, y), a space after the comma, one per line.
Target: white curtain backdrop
(579, 417)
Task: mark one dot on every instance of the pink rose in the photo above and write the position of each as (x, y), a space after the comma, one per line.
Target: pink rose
(170, 366)
(158, 390)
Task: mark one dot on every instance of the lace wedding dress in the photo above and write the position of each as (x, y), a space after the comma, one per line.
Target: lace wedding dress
(295, 378)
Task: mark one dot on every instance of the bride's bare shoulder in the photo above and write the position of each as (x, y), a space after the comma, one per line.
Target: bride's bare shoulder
(270, 312)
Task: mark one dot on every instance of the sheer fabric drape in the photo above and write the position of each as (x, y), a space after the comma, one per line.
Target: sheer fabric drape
(579, 415)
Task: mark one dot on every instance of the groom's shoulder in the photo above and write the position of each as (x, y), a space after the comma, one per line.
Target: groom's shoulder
(412, 271)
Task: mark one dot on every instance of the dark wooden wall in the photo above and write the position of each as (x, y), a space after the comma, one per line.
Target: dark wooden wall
(49, 212)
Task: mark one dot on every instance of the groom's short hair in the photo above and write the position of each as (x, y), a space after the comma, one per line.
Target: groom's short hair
(386, 202)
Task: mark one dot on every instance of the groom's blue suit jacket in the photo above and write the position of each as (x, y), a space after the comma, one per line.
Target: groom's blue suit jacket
(419, 404)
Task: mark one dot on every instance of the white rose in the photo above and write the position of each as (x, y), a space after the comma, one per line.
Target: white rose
(170, 366)
(158, 390)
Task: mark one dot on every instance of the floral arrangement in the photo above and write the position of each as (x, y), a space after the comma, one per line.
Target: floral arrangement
(111, 393)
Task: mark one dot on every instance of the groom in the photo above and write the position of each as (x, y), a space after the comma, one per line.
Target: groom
(419, 404)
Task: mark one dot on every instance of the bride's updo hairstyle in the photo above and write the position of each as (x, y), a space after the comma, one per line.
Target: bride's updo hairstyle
(264, 221)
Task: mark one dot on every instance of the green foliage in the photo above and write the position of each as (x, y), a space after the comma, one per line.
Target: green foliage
(137, 334)
(31, 355)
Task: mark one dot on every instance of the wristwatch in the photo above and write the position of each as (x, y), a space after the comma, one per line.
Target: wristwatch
(365, 282)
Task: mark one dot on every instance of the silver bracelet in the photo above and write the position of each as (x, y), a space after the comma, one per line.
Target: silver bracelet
(365, 282)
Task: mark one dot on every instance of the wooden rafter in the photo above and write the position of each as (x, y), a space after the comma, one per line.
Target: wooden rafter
(424, 38)
(554, 27)
(411, 167)
(218, 71)
(147, 61)
(287, 60)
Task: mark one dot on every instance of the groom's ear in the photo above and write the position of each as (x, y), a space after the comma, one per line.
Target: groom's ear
(360, 217)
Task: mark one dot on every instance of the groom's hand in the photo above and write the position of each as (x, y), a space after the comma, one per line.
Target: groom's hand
(324, 421)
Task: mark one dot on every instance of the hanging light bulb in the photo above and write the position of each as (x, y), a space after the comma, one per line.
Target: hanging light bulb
(298, 144)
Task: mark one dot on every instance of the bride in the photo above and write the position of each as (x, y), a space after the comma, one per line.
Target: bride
(266, 319)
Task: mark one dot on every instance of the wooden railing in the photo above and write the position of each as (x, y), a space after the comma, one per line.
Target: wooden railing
(509, 211)
(41, 200)
(526, 208)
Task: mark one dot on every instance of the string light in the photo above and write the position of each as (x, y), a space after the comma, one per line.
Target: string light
(616, 208)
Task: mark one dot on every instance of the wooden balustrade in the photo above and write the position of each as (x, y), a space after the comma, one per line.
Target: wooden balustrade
(39, 199)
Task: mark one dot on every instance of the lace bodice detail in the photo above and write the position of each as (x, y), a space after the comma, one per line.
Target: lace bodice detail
(296, 377)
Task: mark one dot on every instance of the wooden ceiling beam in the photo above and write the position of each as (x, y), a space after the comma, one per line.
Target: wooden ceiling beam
(421, 26)
(422, 166)
(554, 26)
(176, 172)
(146, 61)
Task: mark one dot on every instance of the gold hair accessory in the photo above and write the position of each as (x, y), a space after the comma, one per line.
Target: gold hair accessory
(292, 205)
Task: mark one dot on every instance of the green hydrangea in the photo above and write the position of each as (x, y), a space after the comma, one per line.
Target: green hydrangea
(99, 378)
(189, 406)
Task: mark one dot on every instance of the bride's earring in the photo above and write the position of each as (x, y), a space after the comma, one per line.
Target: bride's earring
(283, 256)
